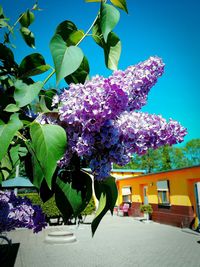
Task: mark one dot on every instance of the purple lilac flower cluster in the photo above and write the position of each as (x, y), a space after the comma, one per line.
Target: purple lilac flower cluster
(140, 131)
(92, 103)
(102, 122)
(137, 81)
(17, 212)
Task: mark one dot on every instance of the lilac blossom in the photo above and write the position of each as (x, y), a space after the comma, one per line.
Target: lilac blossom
(102, 120)
(18, 212)
(137, 80)
(132, 132)
(141, 131)
(92, 103)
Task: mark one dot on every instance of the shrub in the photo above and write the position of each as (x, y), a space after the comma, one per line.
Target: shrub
(50, 209)
(146, 208)
(90, 208)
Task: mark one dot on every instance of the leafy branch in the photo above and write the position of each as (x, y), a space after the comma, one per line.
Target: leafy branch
(21, 98)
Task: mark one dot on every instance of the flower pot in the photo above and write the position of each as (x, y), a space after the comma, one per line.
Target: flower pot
(146, 216)
(8, 252)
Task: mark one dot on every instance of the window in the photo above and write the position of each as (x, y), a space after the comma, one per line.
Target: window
(126, 194)
(163, 193)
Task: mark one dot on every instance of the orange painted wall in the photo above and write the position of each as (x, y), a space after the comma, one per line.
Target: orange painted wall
(181, 184)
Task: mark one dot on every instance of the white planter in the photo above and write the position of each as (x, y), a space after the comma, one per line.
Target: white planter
(146, 216)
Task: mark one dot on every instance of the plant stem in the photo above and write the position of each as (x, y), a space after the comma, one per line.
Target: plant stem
(11, 29)
(49, 76)
(21, 137)
(87, 32)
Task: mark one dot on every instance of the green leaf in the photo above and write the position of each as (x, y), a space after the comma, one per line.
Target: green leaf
(121, 4)
(6, 55)
(97, 33)
(24, 94)
(109, 187)
(73, 196)
(109, 17)
(11, 108)
(106, 192)
(101, 211)
(38, 174)
(3, 20)
(63, 204)
(6, 38)
(65, 28)
(80, 75)
(28, 36)
(112, 51)
(22, 151)
(77, 186)
(69, 32)
(46, 97)
(49, 144)
(1, 11)
(66, 59)
(45, 193)
(42, 104)
(33, 64)
(75, 37)
(14, 155)
(5, 167)
(27, 18)
(3, 23)
(7, 132)
(33, 167)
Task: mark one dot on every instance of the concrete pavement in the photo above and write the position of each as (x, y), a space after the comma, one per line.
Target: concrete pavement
(119, 241)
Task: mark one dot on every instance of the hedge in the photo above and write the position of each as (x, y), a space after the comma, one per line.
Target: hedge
(50, 209)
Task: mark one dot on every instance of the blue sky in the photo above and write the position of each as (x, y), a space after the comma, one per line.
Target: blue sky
(169, 29)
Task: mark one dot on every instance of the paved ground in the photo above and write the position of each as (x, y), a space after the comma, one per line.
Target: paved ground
(119, 241)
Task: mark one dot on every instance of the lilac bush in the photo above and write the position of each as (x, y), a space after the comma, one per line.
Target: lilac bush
(94, 122)
(17, 212)
(103, 123)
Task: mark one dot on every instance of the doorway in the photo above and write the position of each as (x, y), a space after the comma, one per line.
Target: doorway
(197, 198)
(145, 194)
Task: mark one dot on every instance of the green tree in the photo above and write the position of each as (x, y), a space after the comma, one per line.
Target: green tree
(192, 151)
(134, 163)
(150, 161)
(178, 158)
(165, 158)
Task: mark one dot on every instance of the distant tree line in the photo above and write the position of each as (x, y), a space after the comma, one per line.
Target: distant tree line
(167, 158)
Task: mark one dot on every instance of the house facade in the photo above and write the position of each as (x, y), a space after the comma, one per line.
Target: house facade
(174, 195)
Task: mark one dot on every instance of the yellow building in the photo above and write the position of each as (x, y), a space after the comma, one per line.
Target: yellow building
(174, 195)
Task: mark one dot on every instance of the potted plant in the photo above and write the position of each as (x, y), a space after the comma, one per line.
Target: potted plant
(146, 209)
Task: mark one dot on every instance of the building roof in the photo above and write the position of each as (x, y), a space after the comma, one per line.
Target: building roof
(128, 170)
(154, 173)
(119, 170)
(17, 182)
